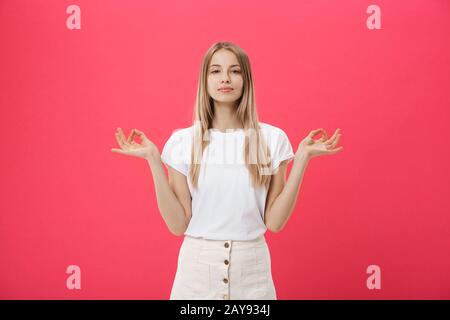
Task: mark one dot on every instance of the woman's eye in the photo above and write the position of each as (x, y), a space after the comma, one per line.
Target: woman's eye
(215, 71)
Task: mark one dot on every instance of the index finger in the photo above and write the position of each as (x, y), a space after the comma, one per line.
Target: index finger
(130, 138)
(314, 132)
(140, 134)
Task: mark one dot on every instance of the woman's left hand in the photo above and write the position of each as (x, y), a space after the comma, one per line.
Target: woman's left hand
(311, 148)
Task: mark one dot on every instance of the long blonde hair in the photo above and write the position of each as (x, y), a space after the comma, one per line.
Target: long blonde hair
(257, 161)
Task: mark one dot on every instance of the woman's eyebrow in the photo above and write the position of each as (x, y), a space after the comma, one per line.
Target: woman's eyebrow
(216, 65)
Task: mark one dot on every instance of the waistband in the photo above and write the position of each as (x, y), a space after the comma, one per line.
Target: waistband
(209, 243)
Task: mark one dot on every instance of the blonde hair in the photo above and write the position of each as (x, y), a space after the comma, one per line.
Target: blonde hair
(256, 153)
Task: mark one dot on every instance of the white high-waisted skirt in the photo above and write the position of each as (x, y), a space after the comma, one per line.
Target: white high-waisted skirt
(223, 269)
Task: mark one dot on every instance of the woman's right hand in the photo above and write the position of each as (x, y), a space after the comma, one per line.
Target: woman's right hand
(146, 149)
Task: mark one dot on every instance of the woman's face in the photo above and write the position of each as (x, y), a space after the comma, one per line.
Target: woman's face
(225, 71)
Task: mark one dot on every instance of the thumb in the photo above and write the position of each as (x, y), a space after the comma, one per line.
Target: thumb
(118, 151)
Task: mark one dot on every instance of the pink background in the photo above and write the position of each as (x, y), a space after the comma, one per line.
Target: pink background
(67, 199)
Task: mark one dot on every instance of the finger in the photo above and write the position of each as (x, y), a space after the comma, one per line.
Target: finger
(123, 139)
(333, 137)
(324, 136)
(119, 151)
(140, 134)
(130, 138)
(335, 142)
(119, 134)
(331, 140)
(334, 151)
(119, 141)
(314, 132)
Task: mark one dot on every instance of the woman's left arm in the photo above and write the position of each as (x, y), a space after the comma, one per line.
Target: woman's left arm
(282, 194)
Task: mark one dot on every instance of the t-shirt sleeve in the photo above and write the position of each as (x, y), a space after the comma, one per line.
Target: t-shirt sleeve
(174, 153)
(283, 150)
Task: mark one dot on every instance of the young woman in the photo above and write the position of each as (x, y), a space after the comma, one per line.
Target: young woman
(227, 183)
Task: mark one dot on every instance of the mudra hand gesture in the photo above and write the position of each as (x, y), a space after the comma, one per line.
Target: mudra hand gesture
(312, 148)
(129, 147)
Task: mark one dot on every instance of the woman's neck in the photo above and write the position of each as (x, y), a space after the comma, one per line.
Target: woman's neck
(225, 117)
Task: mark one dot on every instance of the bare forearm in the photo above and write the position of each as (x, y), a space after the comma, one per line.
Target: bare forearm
(281, 209)
(168, 204)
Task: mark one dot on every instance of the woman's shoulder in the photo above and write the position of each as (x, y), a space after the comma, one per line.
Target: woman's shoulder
(275, 136)
(182, 132)
(179, 137)
(270, 128)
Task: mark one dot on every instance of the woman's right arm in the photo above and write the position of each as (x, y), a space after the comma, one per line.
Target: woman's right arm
(173, 196)
(174, 201)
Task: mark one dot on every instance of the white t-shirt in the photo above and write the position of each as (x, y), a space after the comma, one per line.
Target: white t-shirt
(225, 206)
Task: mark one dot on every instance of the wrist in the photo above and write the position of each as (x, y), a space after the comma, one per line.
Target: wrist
(302, 156)
(153, 158)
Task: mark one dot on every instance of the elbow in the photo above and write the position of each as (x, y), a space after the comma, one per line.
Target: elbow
(271, 225)
(272, 228)
(275, 230)
(178, 230)
(177, 233)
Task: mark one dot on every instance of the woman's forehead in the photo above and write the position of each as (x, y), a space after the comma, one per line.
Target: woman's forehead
(223, 58)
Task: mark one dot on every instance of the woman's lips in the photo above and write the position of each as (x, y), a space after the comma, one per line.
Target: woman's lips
(225, 90)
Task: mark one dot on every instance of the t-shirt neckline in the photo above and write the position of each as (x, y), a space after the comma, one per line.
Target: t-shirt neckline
(228, 131)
